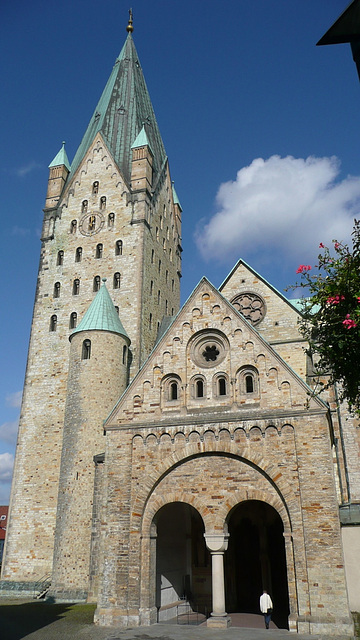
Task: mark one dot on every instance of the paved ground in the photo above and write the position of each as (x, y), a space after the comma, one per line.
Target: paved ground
(41, 621)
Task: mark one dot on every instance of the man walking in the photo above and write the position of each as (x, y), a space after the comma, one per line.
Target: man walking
(266, 607)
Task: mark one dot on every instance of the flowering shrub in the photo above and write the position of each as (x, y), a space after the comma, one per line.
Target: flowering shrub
(331, 315)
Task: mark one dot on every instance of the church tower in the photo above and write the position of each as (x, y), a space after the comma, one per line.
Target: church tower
(113, 213)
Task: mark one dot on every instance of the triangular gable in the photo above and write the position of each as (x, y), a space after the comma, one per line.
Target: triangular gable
(208, 323)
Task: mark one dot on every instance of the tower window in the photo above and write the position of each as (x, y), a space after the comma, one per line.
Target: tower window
(76, 287)
(157, 233)
(73, 320)
(166, 307)
(91, 223)
(53, 323)
(73, 226)
(57, 286)
(118, 248)
(102, 203)
(96, 283)
(84, 206)
(150, 321)
(117, 309)
(159, 268)
(172, 285)
(86, 350)
(159, 297)
(152, 256)
(124, 354)
(99, 251)
(116, 281)
(60, 258)
(95, 188)
(111, 220)
(78, 254)
(166, 276)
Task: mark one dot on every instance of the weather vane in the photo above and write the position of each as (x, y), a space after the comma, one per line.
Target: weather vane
(130, 27)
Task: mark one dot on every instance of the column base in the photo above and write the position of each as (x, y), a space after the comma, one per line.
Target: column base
(219, 622)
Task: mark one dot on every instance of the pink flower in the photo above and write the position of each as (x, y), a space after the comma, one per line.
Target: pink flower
(358, 299)
(336, 245)
(348, 322)
(321, 246)
(335, 299)
(303, 268)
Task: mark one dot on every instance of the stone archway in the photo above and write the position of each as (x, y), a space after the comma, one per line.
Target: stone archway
(183, 566)
(255, 560)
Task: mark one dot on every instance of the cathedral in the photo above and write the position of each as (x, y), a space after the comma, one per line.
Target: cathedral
(165, 454)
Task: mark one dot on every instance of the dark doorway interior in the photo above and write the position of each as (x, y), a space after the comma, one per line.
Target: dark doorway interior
(255, 560)
(183, 563)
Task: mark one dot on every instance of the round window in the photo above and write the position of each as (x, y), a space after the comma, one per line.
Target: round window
(208, 349)
(251, 306)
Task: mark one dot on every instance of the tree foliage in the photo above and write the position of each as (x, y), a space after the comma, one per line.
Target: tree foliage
(331, 315)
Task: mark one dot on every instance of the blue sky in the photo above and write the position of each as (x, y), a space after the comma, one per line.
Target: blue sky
(260, 126)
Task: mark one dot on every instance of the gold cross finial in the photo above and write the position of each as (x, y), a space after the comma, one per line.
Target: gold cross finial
(130, 27)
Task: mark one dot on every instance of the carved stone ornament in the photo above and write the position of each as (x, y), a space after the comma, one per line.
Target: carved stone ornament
(251, 306)
(209, 348)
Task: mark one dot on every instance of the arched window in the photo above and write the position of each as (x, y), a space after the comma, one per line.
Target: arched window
(102, 203)
(60, 258)
(73, 320)
(111, 220)
(78, 254)
(73, 226)
(117, 309)
(174, 391)
(249, 383)
(222, 386)
(159, 297)
(57, 286)
(159, 268)
(157, 233)
(96, 283)
(116, 281)
(199, 388)
(86, 350)
(95, 188)
(150, 321)
(99, 251)
(152, 256)
(166, 276)
(124, 353)
(53, 323)
(151, 287)
(84, 206)
(166, 307)
(170, 254)
(76, 287)
(118, 248)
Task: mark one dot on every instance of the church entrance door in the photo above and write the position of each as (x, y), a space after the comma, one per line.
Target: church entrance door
(255, 560)
(183, 563)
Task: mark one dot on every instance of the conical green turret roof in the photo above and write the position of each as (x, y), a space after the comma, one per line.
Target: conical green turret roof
(122, 111)
(101, 315)
(61, 158)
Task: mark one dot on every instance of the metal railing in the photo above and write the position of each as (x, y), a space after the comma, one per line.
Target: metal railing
(189, 614)
(42, 586)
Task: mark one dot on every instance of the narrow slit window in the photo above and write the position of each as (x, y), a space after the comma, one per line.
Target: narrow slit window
(102, 203)
(116, 282)
(60, 258)
(53, 323)
(84, 206)
(78, 254)
(86, 350)
(118, 248)
(95, 188)
(96, 283)
(111, 220)
(73, 226)
(99, 251)
(76, 287)
(73, 320)
(57, 287)
(124, 353)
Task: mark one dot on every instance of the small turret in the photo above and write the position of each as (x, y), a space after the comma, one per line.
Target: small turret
(98, 375)
(142, 163)
(59, 171)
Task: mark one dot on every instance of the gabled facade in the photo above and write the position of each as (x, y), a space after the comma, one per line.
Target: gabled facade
(184, 447)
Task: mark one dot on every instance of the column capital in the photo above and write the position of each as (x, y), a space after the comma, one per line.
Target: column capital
(216, 542)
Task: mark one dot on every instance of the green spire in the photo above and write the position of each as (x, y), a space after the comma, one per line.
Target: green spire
(101, 315)
(61, 158)
(121, 112)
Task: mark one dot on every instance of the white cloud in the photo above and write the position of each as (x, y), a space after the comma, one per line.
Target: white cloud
(28, 168)
(20, 231)
(8, 431)
(283, 207)
(14, 399)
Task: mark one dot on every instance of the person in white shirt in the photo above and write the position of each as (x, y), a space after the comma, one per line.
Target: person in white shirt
(266, 607)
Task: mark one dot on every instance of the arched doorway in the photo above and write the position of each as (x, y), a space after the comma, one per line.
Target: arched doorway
(183, 564)
(255, 560)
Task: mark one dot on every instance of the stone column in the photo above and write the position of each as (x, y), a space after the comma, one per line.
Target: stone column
(217, 545)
